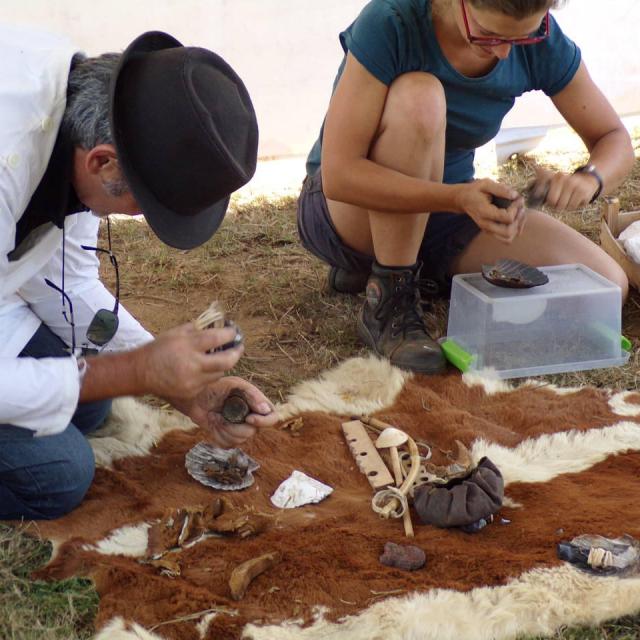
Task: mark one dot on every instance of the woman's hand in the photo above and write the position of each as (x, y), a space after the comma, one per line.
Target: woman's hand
(566, 191)
(205, 410)
(474, 199)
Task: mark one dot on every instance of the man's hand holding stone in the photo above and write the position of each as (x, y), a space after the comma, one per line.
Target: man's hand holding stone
(181, 362)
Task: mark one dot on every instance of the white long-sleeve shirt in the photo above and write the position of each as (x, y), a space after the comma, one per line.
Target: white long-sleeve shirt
(41, 395)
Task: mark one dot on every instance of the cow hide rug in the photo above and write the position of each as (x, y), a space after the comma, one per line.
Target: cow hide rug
(571, 465)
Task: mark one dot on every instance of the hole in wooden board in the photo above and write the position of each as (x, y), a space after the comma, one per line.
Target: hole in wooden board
(362, 453)
(372, 473)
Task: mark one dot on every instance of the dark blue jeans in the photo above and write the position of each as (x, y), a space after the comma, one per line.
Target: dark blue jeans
(44, 478)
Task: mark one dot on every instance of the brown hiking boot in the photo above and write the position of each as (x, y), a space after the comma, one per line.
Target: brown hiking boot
(342, 281)
(391, 323)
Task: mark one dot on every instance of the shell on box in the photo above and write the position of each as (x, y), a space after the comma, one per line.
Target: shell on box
(513, 274)
(225, 469)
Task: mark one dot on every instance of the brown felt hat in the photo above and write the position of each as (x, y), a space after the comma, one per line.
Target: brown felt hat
(186, 135)
(462, 501)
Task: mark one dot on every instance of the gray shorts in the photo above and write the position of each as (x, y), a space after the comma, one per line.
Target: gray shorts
(447, 234)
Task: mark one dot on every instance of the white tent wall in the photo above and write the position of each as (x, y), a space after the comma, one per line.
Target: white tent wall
(287, 52)
(607, 33)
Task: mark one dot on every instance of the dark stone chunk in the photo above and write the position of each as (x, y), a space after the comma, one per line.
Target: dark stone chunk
(403, 556)
(236, 408)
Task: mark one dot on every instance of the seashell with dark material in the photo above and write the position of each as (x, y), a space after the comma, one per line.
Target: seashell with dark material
(225, 469)
(513, 275)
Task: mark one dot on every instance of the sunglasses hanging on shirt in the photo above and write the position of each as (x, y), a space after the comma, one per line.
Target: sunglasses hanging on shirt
(104, 324)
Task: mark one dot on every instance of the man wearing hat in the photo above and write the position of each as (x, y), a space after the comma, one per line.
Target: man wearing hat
(164, 130)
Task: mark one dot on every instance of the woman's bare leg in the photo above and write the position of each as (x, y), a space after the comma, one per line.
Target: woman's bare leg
(411, 140)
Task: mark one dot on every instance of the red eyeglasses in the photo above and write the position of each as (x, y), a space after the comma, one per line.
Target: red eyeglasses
(495, 42)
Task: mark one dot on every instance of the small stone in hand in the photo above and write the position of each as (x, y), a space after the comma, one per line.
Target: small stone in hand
(236, 408)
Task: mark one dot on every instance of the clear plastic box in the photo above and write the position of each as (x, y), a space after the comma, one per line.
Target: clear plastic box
(571, 323)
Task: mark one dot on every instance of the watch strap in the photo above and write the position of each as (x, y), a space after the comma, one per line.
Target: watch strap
(592, 171)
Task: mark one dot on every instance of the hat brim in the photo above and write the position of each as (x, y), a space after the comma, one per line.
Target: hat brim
(179, 231)
(182, 232)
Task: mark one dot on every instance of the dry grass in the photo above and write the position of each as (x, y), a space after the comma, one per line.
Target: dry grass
(36, 610)
(294, 329)
(266, 282)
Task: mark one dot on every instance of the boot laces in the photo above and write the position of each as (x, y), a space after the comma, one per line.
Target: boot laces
(404, 306)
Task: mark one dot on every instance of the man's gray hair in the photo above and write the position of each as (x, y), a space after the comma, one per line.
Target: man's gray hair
(86, 116)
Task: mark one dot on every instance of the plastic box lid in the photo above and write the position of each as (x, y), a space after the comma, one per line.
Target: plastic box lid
(571, 323)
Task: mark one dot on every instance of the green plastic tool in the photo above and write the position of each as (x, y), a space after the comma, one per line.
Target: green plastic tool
(456, 355)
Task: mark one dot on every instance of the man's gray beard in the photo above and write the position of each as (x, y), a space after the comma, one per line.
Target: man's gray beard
(116, 188)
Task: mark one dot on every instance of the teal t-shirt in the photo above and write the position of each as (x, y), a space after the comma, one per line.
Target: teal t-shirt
(392, 37)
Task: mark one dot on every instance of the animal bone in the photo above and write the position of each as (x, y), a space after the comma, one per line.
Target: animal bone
(461, 467)
(409, 480)
(393, 505)
(168, 565)
(379, 426)
(393, 438)
(294, 425)
(182, 528)
(172, 530)
(365, 455)
(244, 525)
(423, 476)
(244, 573)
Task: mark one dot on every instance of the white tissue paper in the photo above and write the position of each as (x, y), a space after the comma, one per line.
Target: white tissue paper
(630, 239)
(299, 489)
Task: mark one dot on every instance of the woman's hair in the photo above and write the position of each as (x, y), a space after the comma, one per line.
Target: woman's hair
(516, 8)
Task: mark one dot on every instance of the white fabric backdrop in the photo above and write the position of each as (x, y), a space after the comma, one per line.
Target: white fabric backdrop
(287, 51)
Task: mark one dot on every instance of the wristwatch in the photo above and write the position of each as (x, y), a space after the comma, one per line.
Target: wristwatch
(591, 170)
